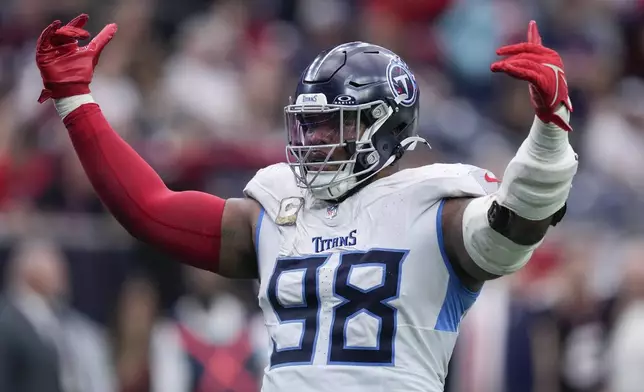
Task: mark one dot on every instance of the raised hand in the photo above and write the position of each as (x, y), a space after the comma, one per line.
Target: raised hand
(544, 70)
(65, 67)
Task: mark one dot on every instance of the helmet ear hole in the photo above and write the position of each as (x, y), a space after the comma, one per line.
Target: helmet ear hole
(385, 145)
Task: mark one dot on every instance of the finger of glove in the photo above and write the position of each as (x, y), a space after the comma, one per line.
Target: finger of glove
(533, 72)
(524, 47)
(79, 21)
(72, 32)
(518, 70)
(103, 38)
(533, 33)
(45, 36)
(64, 44)
(537, 58)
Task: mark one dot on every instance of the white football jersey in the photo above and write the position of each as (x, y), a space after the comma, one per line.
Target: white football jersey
(360, 296)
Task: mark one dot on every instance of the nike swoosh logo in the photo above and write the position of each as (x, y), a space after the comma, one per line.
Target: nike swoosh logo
(490, 178)
(557, 71)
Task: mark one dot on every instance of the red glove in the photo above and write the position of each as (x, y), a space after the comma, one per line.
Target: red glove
(65, 67)
(543, 69)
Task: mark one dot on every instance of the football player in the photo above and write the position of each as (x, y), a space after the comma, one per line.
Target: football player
(366, 271)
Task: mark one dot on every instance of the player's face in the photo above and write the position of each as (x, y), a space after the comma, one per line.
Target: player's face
(329, 132)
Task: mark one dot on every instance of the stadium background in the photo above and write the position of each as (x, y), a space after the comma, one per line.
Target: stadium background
(198, 87)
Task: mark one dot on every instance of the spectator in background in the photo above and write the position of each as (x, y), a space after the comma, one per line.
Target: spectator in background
(569, 338)
(627, 343)
(210, 343)
(45, 345)
(494, 354)
(135, 316)
(614, 138)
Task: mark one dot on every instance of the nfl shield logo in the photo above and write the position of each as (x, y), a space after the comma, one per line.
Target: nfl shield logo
(331, 211)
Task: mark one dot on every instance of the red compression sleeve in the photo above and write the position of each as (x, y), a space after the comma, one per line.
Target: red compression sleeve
(185, 224)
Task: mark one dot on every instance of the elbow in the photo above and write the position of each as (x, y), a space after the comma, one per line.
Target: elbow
(137, 227)
(181, 224)
(490, 250)
(137, 218)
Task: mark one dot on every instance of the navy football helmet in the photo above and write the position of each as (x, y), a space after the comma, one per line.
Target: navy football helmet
(367, 97)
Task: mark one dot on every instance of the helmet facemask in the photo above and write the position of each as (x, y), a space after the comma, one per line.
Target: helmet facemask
(318, 135)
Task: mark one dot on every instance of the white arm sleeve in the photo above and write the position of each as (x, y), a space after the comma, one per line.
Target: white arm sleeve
(535, 186)
(537, 180)
(490, 250)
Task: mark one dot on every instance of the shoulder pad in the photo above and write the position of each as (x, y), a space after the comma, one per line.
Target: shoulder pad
(274, 187)
(458, 180)
(486, 179)
(431, 183)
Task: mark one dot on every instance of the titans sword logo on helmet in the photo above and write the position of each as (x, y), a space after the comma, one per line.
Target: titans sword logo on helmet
(402, 82)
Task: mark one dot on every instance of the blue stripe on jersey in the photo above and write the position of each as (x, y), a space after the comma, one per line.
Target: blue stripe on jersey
(458, 298)
(258, 228)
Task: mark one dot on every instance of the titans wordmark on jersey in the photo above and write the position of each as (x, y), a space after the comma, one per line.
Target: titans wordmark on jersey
(360, 296)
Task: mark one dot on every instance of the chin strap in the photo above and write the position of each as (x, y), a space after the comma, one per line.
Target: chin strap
(411, 142)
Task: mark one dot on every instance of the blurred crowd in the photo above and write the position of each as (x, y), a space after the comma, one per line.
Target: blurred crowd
(198, 89)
